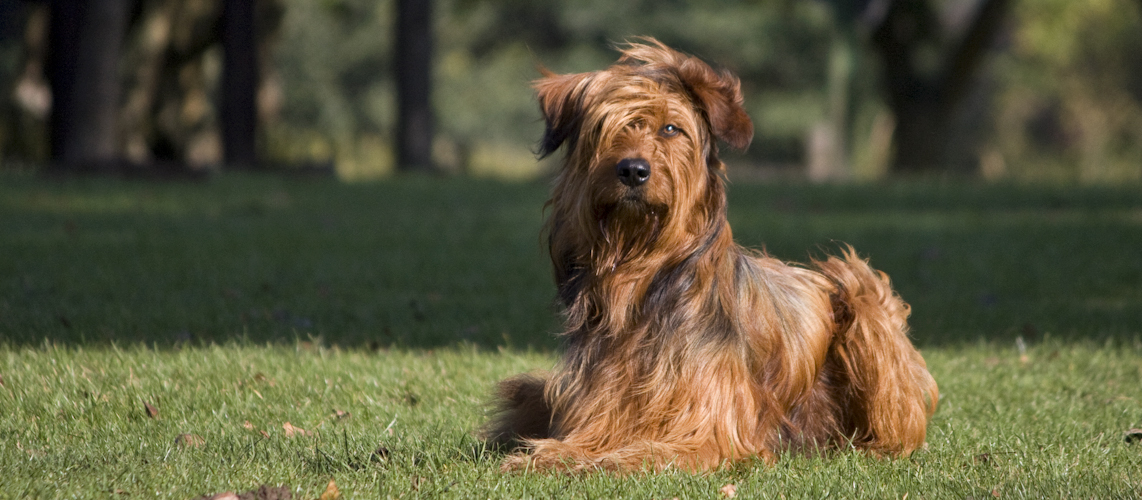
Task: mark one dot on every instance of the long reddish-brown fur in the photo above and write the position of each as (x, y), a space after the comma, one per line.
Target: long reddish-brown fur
(684, 349)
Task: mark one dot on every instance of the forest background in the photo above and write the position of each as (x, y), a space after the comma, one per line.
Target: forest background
(1031, 90)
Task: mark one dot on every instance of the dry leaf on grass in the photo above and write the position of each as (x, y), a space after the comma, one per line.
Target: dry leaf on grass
(729, 490)
(193, 440)
(263, 492)
(260, 378)
(250, 427)
(152, 412)
(291, 430)
(331, 492)
(268, 493)
(1133, 435)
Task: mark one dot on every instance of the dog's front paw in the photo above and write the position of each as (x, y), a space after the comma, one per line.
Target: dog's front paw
(542, 462)
(517, 463)
(552, 455)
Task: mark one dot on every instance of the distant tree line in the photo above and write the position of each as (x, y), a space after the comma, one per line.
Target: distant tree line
(838, 88)
(77, 48)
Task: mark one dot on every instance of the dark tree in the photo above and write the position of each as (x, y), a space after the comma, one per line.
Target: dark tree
(414, 85)
(925, 95)
(239, 88)
(85, 39)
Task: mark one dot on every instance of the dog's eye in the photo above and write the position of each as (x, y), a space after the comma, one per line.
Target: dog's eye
(670, 131)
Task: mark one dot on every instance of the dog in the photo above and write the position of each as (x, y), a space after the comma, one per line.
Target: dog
(683, 349)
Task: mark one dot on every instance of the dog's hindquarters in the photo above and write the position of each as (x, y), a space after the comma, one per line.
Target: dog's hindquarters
(886, 386)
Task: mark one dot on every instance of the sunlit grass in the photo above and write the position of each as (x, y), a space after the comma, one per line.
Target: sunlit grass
(374, 319)
(1049, 422)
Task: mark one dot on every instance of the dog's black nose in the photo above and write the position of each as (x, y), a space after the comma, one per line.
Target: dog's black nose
(633, 172)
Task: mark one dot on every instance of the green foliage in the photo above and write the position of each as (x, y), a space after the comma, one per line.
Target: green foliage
(334, 60)
(1071, 104)
(336, 69)
(1059, 99)
(1060, 102)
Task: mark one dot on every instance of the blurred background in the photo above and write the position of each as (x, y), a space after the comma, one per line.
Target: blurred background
(840, 90)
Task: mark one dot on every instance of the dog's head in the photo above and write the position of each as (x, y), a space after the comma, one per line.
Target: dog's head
(641, 150)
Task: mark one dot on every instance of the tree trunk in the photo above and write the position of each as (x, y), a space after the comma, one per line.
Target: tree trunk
(923, 126)
(925, 104)
(239, 84)
(414, 85)
(83, 65)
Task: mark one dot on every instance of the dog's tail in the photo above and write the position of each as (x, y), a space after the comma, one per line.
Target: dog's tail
(522, 413)
(889, 394)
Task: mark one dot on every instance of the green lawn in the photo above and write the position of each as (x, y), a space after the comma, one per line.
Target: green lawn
(372, 321)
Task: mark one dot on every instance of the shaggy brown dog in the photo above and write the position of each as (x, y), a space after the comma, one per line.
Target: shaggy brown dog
(682, 348)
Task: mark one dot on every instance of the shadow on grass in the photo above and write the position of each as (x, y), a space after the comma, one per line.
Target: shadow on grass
(426, 263)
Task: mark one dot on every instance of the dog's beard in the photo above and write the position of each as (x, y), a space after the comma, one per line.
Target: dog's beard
(628, 228)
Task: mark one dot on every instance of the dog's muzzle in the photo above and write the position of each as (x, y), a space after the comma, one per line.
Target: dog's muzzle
(633, 172)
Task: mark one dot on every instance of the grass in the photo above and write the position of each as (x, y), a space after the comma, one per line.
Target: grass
(377, 317)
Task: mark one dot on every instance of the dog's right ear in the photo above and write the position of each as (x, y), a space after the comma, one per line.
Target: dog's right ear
(561, 99)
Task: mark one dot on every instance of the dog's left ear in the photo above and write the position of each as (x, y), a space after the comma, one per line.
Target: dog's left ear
(719, 94)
